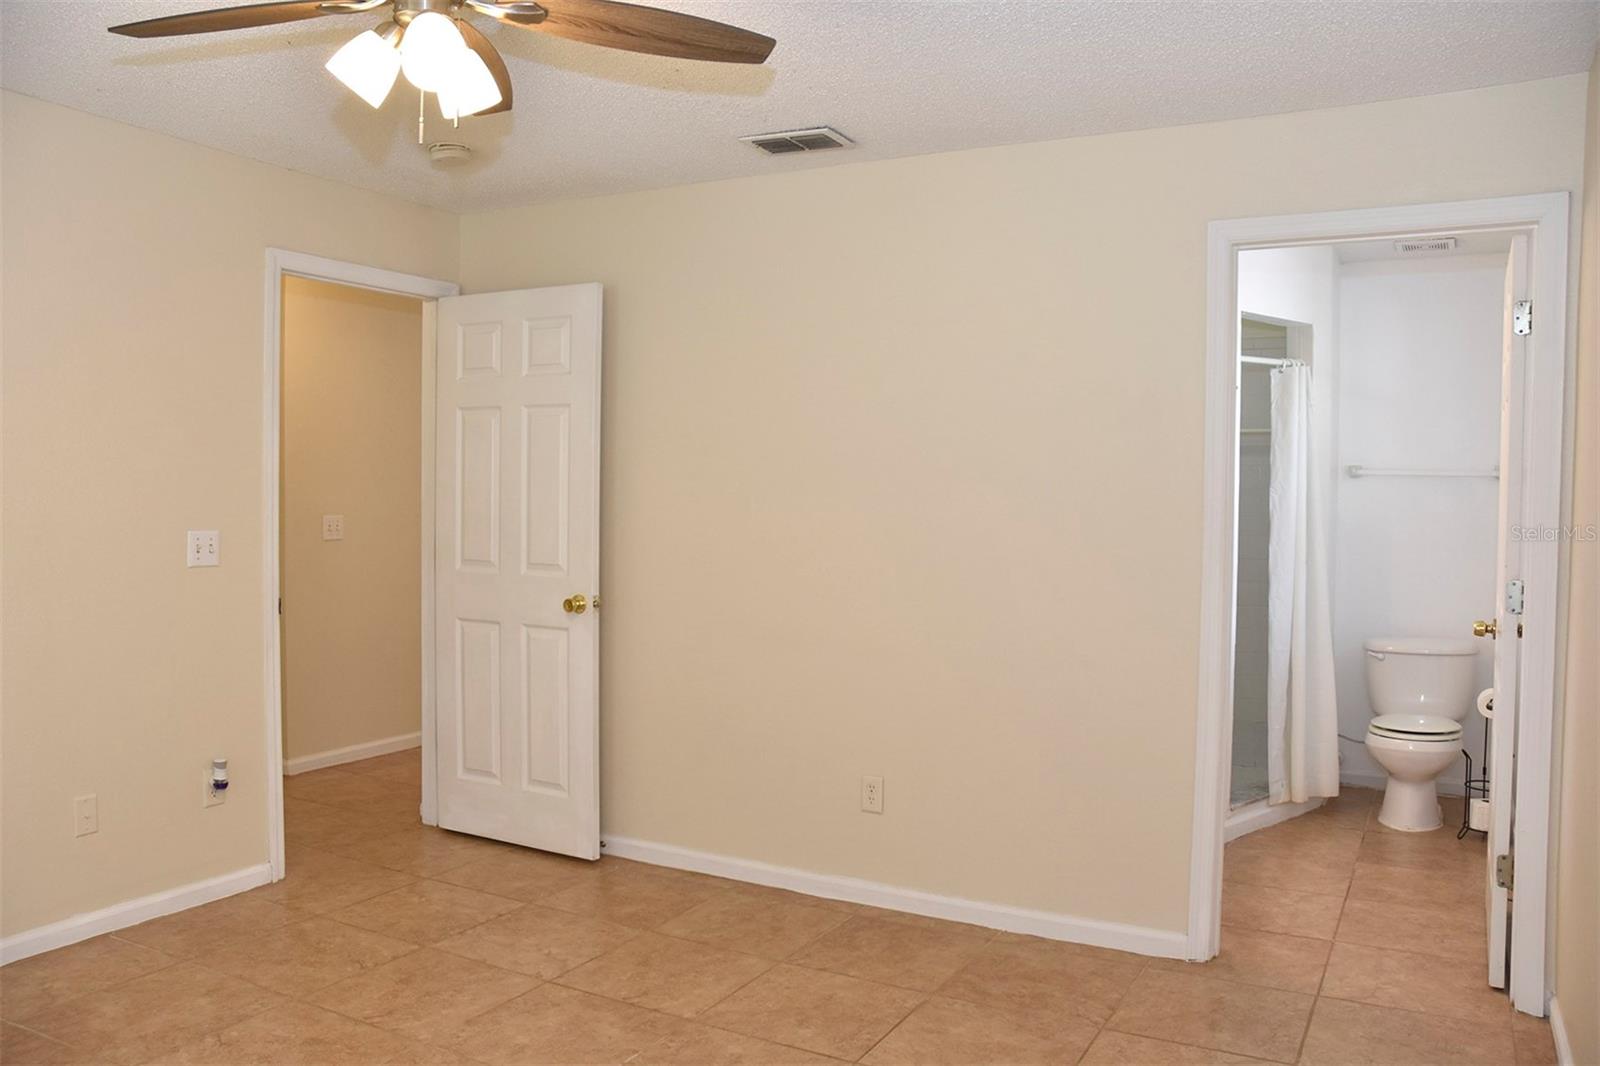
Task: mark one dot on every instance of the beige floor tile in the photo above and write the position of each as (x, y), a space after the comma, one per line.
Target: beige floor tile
(1454, 935)
(1124, 1049)
(1271, 960)
(193, 932)
(35, 984)
(1280, 910)
(701, 1045)
(1357, 1034)
(955, 1032)
(552, 1024)
(1030, 975)
(1535, 1044)
(1301, 839)
(520, 873)
(662, 973)
(1413, 982)
(153, 1015)
(1323, 877)
(408, 776)
(823, 1012)
(421, 851)
(1424, 851)
(1448, 890)
(1351, 817)
(631, 895)
(425, 912)
(772, 928)
(1222, 1015)
(338, 788)
(426, 995)
(317, 882)
(299, 1034)
(300, 958)
(538, 941)
(24, 1047)
(308, 824)
(920, 957)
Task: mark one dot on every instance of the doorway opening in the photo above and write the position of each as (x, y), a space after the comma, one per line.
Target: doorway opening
(350, 534)
(1367, 490)
(347, 536)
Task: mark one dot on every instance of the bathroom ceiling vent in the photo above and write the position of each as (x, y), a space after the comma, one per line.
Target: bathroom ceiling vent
(817, 139)
(1413, 245)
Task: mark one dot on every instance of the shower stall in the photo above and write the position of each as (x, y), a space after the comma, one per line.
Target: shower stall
(1262, 346)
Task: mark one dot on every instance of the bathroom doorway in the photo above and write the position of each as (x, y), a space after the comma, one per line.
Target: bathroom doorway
(1392, 420)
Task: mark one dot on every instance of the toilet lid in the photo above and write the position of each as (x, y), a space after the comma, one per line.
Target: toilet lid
(1416, 727)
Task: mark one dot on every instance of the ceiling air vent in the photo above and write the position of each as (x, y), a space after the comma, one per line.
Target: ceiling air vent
(818, 139)
(1412, 245)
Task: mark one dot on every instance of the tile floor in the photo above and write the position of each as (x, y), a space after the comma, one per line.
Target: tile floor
(392, 943)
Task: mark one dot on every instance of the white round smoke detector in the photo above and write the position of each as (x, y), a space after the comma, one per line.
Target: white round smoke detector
(449, 153)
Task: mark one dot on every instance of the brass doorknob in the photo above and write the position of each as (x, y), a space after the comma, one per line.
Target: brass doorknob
(1485, 629)
(575, 604)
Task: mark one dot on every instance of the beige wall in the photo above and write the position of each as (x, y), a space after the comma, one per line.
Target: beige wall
(902, 477)
(1576, 932)
(133, 269)
(352, 445)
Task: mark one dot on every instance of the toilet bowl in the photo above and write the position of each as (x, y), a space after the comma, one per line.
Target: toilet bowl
(1420, 690)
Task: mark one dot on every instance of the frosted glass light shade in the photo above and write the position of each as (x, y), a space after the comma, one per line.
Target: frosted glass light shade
(471, 88)
(368, 66)
(431, 51)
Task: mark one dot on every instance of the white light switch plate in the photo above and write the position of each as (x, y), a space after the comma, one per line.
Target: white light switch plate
(333, 527)
(204, 548)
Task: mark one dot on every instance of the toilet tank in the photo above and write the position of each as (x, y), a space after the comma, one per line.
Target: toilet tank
(1421, 675)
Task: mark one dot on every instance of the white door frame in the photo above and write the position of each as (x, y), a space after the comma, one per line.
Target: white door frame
(281, 262)
(1544, 217)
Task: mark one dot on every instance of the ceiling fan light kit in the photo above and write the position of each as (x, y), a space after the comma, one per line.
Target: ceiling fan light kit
(369, 64)
(440, 51)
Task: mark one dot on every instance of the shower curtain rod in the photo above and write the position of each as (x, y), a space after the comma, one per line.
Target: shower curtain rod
(1262, 360)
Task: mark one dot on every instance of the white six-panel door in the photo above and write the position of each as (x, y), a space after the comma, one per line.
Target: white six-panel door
(516, 544)
(1508, 639)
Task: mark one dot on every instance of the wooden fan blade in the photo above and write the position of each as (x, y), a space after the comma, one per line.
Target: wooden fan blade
(649, 30)
(491, 59)
(224, 18)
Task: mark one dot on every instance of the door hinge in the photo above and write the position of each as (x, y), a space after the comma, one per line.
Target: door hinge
(1504, 871)
(280, 604)
(1514, 596)
(1522, 318)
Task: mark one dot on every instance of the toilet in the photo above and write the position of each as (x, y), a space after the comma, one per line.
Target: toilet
(1421, 689)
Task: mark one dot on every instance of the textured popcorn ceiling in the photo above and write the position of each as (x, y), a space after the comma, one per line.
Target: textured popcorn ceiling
(901, 77)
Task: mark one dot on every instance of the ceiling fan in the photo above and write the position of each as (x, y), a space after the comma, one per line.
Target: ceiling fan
(439, 51)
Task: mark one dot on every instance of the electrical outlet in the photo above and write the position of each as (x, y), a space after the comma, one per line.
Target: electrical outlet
(85, 815)
(212, 797)
(204, 548)
(333, 527)
(872, 795)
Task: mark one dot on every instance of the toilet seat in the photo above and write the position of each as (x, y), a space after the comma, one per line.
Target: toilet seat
(1417, 728)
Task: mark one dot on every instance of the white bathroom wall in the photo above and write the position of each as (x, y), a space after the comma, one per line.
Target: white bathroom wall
(1418, 386)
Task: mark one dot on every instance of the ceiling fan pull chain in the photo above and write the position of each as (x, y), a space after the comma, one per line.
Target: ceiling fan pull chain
(422, 113)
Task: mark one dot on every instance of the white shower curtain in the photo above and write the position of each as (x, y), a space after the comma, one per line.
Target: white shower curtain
(1302, 717)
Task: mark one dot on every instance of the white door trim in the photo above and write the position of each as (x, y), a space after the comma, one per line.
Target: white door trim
(1544, 217)
(279, 263)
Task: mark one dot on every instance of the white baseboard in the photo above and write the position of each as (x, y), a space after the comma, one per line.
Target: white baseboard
(131, 912)
(1381, 782)
(1558, 1029)
(1260, 814)
(1139, 939)
(354, 753)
